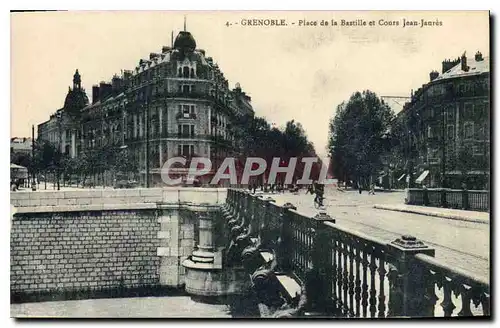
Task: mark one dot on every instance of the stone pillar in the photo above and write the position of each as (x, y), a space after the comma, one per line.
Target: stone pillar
(205, 248)
(73, 144)
(205, 275)
(160, 154)
(168, 251)
(411, 289)
(160, 116)
(135, 125)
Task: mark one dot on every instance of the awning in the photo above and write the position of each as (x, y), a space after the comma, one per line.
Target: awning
(422, 177)
(15, 166)
(401, 177)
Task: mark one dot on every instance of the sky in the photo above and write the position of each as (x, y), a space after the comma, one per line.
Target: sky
(291, 72)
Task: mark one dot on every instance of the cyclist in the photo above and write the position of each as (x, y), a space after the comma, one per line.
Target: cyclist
(319, 190)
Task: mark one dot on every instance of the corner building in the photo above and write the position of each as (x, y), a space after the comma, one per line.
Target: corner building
(176, 103)
(451, 115)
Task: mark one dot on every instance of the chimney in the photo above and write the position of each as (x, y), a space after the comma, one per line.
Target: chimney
(153, 55)
(127, 74)
(95, 93)
(104, 90)
(449, 64)
(463, 61)
(478, 56)
(116, 83)
(433, 75)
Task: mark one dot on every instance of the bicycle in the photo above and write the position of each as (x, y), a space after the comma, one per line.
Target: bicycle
(319, 202)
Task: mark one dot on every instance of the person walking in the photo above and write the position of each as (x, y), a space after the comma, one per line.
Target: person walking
(372, 190)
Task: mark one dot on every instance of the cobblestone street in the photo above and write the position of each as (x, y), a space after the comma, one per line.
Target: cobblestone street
(462, 244)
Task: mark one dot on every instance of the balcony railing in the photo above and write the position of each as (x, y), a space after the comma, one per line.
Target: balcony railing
(185, 116)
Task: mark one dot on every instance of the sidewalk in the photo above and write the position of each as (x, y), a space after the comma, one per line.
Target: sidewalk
(445, 213)
(140, 307)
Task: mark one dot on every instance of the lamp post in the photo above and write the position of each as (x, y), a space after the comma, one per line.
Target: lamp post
(33, 182)
(443, 149)
(146, 123)
(59, 117)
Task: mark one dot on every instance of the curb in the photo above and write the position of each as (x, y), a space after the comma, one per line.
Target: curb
(439, 215)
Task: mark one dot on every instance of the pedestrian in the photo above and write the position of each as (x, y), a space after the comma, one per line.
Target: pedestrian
(360, 189)
(372, 190)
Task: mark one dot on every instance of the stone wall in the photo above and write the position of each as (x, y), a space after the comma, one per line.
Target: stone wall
(83, 250)
(103, 198)
(98, 239)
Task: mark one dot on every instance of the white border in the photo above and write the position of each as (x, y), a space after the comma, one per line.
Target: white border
(191, 5)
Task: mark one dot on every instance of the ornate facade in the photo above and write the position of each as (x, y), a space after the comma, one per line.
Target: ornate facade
(448, 125)
(175, 103)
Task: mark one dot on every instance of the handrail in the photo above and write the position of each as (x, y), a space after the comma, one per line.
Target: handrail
(464, 276)
(356, 233)
(361, 275)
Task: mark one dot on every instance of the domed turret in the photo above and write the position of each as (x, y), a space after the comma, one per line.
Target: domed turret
(185, 41)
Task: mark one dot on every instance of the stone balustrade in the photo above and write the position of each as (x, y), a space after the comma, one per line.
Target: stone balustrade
(475, 200)
(343, 273)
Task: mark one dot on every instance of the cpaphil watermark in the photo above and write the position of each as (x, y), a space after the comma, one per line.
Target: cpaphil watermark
(254, 166)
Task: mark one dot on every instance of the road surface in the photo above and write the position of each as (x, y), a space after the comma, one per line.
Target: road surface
(462, 244)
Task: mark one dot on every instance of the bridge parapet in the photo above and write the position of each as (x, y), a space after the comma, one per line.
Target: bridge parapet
(342, 272)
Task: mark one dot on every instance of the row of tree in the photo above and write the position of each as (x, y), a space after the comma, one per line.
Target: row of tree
(365, 137)
(260, 139)
(257, 138)
(49, 162)
(359, 135)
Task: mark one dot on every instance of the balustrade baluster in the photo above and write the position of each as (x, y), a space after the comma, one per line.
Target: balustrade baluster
(381, 295)
(485, 304)
(430, 292)
(345, 278)
(339, 273)
(465, 295)
(447, 303)
(357, 289)
(334, 270)
(364, 294)
(351, 277)
(373, 290)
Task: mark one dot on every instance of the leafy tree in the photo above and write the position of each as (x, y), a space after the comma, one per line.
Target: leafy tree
(359, 135)
(259, 139)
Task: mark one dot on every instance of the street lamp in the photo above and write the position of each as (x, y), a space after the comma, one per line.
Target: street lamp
(146, 122)
(59, 117)
(33, 182)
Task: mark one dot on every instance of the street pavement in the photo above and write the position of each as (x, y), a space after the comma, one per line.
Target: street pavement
(140, 307)
(445, 213)
(458, 243)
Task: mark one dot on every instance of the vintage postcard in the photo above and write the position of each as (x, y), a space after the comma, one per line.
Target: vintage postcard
(250, 164)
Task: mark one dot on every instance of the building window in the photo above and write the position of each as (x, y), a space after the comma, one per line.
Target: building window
(185, 150)
(468, 130)
(468, 109)
(450, 131)
(185, 130)
(185, 71)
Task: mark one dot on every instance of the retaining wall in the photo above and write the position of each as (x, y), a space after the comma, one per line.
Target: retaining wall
(64, 241)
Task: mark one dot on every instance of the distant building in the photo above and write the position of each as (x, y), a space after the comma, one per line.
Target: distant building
(20, 145)
(179, 95)
(448, 125)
